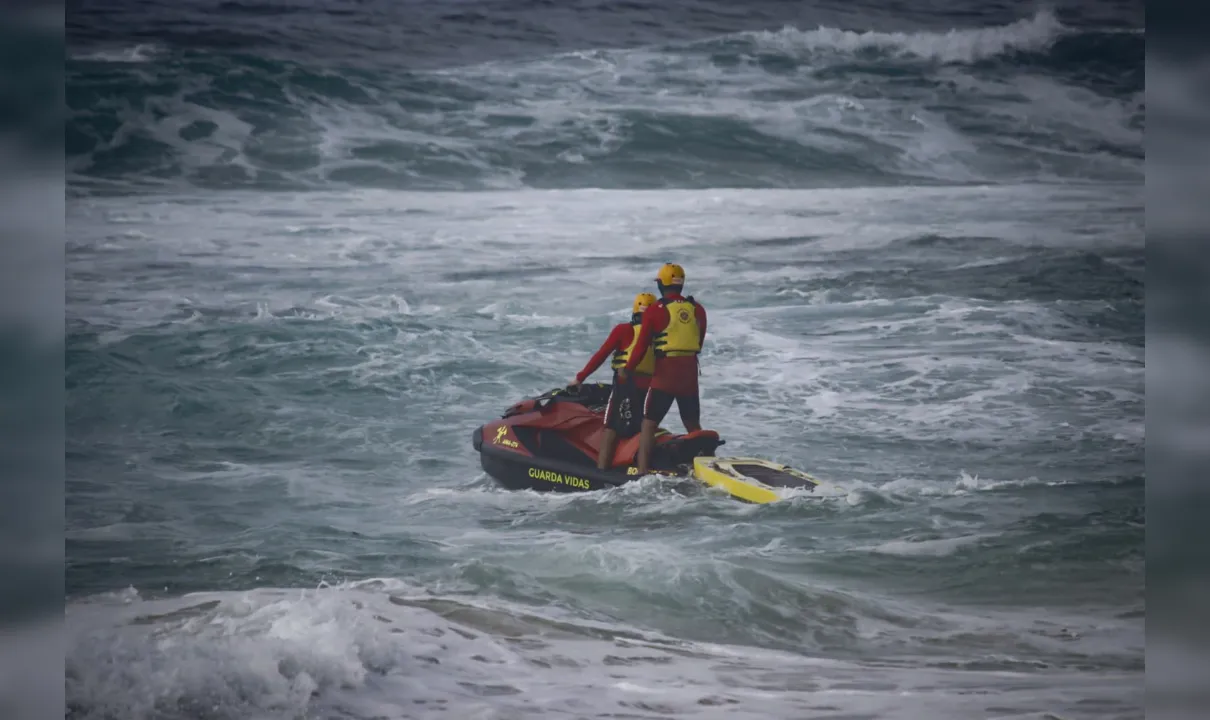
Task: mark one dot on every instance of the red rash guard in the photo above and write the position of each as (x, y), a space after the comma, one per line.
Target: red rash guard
(675, 375)
(618, 340)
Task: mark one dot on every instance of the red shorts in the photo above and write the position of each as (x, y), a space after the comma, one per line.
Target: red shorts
(676, 375)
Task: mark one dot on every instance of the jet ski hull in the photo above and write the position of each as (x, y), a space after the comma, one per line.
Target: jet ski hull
(550, 444)
(518, 471)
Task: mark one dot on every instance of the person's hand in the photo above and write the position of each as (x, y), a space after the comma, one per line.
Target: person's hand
(622, 375)
(574, 383)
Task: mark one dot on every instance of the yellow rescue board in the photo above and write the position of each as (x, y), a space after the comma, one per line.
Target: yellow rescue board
(751, 479)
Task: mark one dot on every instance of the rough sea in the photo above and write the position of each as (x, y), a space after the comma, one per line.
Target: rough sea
(312, 245)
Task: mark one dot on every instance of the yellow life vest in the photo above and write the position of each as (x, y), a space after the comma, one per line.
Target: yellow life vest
(683, 336)
(646, 366)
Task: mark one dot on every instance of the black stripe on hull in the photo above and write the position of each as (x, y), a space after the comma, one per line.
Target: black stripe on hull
(517, 472)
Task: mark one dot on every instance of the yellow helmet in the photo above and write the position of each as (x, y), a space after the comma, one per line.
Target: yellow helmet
(642, 301)
(671, 274)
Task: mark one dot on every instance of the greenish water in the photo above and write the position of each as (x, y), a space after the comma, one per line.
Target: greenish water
(302, 268)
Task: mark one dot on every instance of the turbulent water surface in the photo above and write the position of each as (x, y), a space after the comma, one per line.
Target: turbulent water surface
(311, 246)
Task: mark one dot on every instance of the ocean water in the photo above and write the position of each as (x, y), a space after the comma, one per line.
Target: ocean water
(312, 245)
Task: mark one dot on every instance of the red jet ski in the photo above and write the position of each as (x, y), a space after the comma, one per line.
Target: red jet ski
(550, 443)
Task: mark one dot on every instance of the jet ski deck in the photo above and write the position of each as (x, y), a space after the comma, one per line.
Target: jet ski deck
(550, 442)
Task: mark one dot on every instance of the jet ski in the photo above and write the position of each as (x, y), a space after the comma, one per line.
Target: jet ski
(550, 442)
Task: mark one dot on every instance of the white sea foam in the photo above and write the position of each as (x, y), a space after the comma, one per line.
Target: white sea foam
(957, 45)
(552, 115)
(381, 648)
(933, 360)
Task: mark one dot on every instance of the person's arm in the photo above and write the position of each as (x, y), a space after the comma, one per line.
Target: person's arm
(701, 324)
(645, 332)
(617, 339)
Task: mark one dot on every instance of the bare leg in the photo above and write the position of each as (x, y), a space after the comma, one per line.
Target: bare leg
(646, 440)
(609, 441)
(691, 412)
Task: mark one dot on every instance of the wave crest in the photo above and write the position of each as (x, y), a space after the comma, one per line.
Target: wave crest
(819, 108)
(1034, 34)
